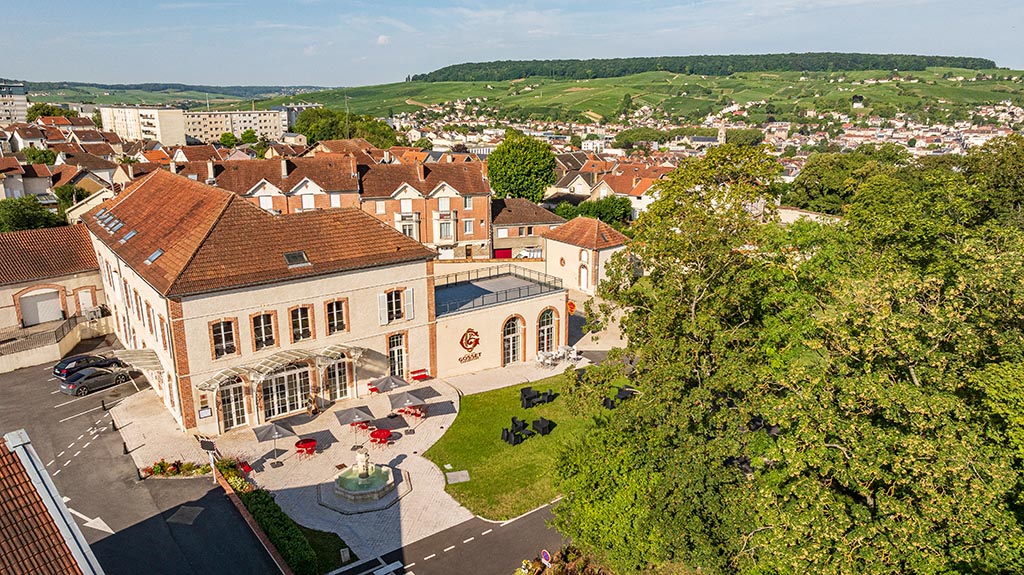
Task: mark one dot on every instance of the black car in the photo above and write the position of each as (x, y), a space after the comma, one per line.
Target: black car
(70, 365)
(92, 378)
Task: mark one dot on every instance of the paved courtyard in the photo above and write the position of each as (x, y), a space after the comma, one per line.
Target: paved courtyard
(150, 433)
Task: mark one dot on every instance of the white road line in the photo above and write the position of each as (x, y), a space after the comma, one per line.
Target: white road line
(52, 379)
(98, 421)
(468, 540)
(72, 445)
(80, 437)
(431, 556)
(56, 473)
(59, 454)
(51, 462)
(93, 437)
(407, 566)
(447, 549)
(76, 454)
(67, 402)
(86, 444)
(66, 463)
(90, 411)
(54, 391)
(486, 532)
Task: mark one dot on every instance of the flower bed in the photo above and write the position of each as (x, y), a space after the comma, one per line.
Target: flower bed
(177, 468)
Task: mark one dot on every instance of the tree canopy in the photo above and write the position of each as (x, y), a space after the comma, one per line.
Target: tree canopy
(611, 210)
(521, 167)
(249, 137)
(814, 398)
(39, 109)
(319, 124)
(40, 156)
(69, 195)
(26, 213)
(228, 139)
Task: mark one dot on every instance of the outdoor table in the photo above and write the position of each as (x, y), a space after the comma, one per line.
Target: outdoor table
(381, 434)
(307, 446)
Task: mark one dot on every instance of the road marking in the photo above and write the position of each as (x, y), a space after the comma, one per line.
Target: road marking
(80, 437)
(97, 523)
(431, 556)
(67, 462)
(54, 391)
(76, 454)
(486, 532)
(56, 473)
(59, 454)
(98, 421)
(468, 540)
(72, 445)
(52, 379)
(90, 411)
(447, 549)
(51, 462)
(407, 566)
(86, 444)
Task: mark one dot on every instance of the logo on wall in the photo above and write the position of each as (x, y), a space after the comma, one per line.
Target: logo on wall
(571, 307)
(470, 340)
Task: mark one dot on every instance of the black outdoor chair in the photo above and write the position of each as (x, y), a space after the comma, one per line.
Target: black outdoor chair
(542, 426)
(518, 425)
(609, 403)
(527, 393)
(506, 435)
(547, 396)
(516, 439)
(526, 432)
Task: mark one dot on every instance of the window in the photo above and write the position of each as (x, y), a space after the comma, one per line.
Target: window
(529, 230)
(445, 230)
(584, 256)
(444, 204)
(380, 206)
(467, 203)
(308, 201)
(263, 331)
(153, 257)
(286, 391)
(522, 231)
(511, 341)
(502, 233)
(223, 338)
(149, 317)
(301, 324)
(396, 354)
(467, 227)
(411, 229)
(337, 380)
(335, 200)
(267, 203)
(296, 259)
(405, 206)
(546, 331)
(394, 302)
(232, 406)
(336, 316)
(163, 331)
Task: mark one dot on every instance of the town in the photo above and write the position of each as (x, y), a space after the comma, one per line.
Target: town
(278, 336)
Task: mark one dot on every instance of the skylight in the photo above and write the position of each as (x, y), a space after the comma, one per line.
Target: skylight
(153, 257)
(100, 213)
(295, 259)
(118, 226)
(128, 236)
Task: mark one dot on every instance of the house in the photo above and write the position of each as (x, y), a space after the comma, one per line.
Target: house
(195, 154)
(358, 148)
(47, 275)
(38, 536)
(97, 166)
(517, 227)
(11, 178)
(27, 136)
(284, 151)
(238, 316)
(578, 252)
(634, 187)
(293, 139)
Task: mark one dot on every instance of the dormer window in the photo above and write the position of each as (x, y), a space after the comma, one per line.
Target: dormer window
(128, 236)
(296, 259)
(154, 256)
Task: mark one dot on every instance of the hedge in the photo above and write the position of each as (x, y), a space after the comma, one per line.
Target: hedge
(282, 531)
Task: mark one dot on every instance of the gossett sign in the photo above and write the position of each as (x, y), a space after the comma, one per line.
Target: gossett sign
(469, 341)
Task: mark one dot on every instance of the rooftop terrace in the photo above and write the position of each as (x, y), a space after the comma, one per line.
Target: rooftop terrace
(465, 291)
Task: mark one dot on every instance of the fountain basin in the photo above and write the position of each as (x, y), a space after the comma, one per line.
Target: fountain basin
(379, 481)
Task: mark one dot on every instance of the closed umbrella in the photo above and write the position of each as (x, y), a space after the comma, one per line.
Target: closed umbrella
(272, 431)
(405, 399)
(388, 383)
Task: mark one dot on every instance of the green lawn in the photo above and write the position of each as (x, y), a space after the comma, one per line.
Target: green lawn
(328, 548)
(506, 481)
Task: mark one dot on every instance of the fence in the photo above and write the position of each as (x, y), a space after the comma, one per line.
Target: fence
(539, 284)
(14, 341)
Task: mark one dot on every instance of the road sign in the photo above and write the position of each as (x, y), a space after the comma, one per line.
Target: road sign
(545, 558)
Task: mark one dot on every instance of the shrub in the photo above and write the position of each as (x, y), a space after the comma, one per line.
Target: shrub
(239, 484)
(282, 531)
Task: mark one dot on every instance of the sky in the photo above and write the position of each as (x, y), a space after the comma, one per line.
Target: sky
(355, 43)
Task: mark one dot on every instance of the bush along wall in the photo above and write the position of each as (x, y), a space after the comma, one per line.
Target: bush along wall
(282, 531)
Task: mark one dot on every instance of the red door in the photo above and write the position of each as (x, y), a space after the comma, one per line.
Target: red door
(505, 254)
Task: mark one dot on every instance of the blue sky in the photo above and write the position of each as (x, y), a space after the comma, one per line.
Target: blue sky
(351, 43)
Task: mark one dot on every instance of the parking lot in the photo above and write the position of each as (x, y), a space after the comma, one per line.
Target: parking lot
(133, 526)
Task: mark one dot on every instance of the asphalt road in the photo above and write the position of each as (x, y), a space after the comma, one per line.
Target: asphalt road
(475, 546)
(159, 525)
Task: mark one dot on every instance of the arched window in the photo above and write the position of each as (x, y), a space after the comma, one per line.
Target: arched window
(585, 256)
(512, 341)
(546, 331)
(232, 404)
(584, 278)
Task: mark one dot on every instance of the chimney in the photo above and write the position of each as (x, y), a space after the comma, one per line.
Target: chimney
(210, 176)
(451, 157)
(174, 167)
(421, 174)
(284, 168)
(387, 157)
(131, 172)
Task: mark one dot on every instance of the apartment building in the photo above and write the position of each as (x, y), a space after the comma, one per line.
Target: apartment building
(132, 123)
(292, 111)
(210, 126)
(13, 103)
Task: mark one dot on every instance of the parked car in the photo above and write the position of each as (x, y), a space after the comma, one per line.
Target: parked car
(70, 365)
(92, 378)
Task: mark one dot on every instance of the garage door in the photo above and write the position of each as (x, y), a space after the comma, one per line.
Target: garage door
(40, 307)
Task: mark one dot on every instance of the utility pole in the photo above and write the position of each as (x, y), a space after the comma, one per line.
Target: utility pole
(347, 134)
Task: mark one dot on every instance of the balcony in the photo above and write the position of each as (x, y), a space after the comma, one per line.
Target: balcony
(466, 291)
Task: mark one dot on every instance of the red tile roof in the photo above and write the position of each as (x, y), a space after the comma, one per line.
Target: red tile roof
(10, 165)
(30, 255)
(89, 161)
(64, 174)
(66, 147)
(100, 149)
(207, 235)
(54, 121)
(53, 134)
(37, 171)
(332, 172)
(198, 153)
(380, 181)
(88, 137)
(519, 211)
(156, 156)
(111, 137)
(30, 542)
(627, 184)
(587, 233)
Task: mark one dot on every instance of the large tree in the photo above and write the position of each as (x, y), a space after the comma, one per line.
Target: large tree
(249, 137)
(26, 213)
(521, 167)
(228, 140)
(40, 156)
(69, 195)
(39, 109)
(319, 124)
(815, 398)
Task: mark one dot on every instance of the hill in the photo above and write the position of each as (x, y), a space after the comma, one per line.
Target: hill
(935, 92)
(153, 93)
(719, 65)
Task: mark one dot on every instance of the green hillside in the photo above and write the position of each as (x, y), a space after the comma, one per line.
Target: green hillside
(96, 95)
(681, 95)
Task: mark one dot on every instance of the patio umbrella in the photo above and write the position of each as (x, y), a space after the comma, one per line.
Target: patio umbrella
(388, 383)
(354, 415)
(425, 393)
(405, 399)
(272, 431)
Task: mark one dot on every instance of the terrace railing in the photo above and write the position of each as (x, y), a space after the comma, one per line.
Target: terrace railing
(15, 340)
(539, 284)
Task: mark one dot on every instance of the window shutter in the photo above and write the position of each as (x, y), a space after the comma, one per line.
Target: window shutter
(382, 308)
(410, 303)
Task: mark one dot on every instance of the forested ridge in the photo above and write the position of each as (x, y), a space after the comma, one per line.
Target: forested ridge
(716, 65)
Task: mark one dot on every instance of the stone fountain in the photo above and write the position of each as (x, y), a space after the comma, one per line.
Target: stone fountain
(364, 481)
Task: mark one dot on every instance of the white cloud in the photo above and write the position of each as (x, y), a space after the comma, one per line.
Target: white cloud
(383, 40)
